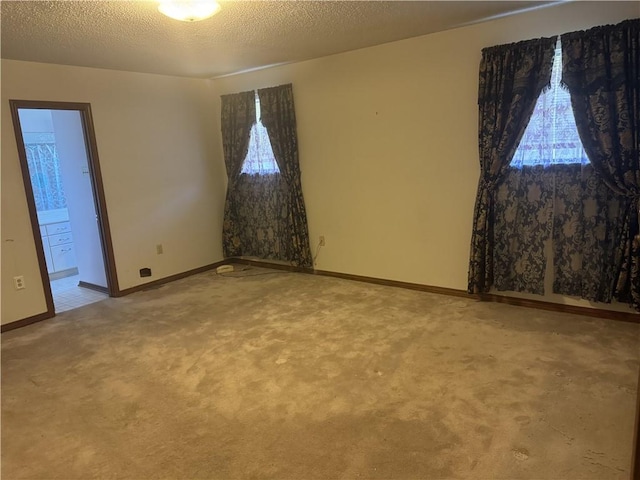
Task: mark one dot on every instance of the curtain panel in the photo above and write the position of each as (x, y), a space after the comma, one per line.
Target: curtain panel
(238, 114)
(601, 70)
(278, 115)
(262, 222)
(523, 211)
(564, 212)
(587, 228)
(511, 80)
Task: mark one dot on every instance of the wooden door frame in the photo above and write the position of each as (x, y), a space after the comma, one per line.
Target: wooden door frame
(98, 194)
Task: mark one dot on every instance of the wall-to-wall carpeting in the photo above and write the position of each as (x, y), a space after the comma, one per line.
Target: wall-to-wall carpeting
(294, 376)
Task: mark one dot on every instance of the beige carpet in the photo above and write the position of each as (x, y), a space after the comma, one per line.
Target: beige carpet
(294, 376)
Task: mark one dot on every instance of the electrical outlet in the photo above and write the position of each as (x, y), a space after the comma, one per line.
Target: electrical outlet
(159, 249)
(322, 241)
(19, 282)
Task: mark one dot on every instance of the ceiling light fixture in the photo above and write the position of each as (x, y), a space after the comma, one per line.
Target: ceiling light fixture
(189, 10)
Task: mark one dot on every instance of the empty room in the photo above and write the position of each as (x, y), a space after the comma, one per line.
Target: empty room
(320, 239)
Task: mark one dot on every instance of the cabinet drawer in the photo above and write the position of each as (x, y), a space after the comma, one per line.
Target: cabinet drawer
(64, 257)
(43, 231)
(60, 239)
(55, 228)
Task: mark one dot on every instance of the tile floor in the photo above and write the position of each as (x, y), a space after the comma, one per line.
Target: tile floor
(67, 295)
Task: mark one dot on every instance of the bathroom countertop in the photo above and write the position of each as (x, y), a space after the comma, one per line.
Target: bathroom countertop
(46, 217)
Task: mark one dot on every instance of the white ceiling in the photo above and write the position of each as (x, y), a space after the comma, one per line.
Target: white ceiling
(134, 36)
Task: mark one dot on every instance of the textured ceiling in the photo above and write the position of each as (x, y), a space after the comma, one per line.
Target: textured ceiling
(134, 36)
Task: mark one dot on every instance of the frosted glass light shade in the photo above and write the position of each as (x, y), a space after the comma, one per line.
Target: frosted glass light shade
(189, 10)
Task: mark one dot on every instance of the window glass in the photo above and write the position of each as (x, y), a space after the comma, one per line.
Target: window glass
(551, 138)
(260, 159)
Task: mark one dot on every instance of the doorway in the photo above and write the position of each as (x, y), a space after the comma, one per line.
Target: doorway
(61, 174)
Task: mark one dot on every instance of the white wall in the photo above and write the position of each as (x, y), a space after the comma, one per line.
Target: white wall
(74, 167)
(162, 171)
(388, 144)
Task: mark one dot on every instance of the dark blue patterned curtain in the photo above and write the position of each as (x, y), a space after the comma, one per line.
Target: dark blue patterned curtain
(511, 80)
(238, 114)
(587, 228)
(523, 211)
(564, 212)
(601, 69)
(279, 117)
(261, 218)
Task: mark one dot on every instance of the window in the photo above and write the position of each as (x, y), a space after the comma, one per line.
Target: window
(260, 159)
(551, 138)
(44, 168)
